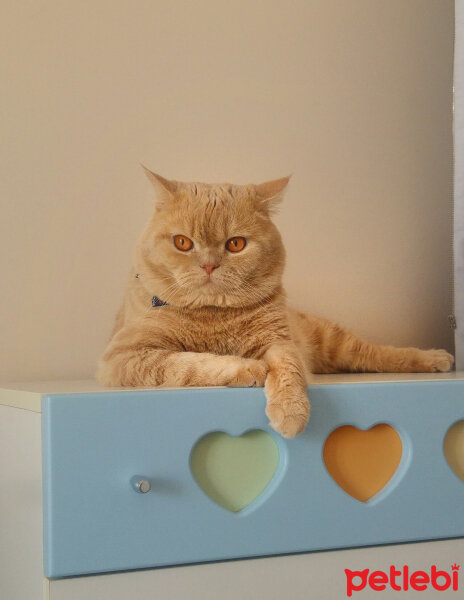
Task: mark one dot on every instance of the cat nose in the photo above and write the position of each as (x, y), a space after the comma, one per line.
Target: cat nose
(209, 268)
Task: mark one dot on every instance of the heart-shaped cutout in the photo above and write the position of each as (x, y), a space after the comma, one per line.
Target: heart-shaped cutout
(453, 448)
(362, 462)
(234, 471)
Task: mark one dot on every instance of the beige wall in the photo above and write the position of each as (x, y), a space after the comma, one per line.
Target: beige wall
(353, 97)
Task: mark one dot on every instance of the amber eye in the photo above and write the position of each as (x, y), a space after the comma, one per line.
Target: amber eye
(236, 244)
(182, 243)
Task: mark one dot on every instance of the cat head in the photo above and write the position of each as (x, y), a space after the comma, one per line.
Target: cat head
(212, 244)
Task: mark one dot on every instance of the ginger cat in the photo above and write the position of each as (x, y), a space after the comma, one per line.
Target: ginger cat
(205, 307)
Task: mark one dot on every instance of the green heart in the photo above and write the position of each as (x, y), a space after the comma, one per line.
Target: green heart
(234, 471)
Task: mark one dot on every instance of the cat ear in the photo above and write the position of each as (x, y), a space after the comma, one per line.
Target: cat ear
(165, 189)
(270, 194)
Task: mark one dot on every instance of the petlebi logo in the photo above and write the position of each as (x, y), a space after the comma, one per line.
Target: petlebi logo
(402, 579)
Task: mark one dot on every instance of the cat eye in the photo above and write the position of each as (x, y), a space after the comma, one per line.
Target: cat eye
(181, 242)
(236, 244)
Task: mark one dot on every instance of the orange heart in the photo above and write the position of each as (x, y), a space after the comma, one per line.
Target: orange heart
(362, 462)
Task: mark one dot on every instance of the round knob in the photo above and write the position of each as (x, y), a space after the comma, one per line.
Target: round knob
(142, 485)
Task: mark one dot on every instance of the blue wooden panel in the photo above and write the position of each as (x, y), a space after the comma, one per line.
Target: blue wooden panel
(93, 444)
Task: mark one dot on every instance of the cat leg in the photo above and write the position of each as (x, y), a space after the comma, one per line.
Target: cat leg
(159, 367)
(285, 388)
(144, 354)
(336, 350)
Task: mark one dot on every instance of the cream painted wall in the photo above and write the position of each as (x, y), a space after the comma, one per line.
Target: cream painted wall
(353, 97)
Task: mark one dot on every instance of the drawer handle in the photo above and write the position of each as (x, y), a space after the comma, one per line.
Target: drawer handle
(141, 485)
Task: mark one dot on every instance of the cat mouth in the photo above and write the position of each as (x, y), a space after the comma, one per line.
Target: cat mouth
(208, 280)
(210, 285)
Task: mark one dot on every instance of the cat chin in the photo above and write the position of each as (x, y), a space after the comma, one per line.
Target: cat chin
(215, 300)
(218, 301)
(212, 300)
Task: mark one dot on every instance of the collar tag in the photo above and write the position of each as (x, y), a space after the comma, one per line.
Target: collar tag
(155, 301)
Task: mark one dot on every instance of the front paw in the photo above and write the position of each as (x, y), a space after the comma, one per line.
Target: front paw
(248, 373)
(287, 408)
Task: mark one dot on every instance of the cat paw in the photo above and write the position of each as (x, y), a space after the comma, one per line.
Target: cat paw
(288, 423)
(287, 411)
(249, 373)
(437, 360)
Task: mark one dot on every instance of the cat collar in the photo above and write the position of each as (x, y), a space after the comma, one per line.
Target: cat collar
(155, 301)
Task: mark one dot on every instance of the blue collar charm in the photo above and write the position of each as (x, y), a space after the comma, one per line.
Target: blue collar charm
(155, 301)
